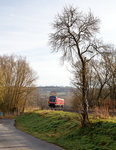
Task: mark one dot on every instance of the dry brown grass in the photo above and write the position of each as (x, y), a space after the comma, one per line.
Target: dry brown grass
(31, 109)
(101, 112)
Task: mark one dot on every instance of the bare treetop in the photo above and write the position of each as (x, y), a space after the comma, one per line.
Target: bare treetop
(74, 32)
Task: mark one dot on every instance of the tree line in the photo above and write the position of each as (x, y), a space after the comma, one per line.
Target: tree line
(16, 83)
(101, 81)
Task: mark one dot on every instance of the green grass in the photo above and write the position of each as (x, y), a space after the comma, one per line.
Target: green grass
(63, 129)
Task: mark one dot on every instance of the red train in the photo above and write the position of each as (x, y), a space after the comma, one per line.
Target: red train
(55, 102)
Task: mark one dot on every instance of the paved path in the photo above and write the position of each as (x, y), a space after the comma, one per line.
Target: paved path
(13, 139)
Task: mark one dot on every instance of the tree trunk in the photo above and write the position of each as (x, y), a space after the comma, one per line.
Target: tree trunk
(84, 113)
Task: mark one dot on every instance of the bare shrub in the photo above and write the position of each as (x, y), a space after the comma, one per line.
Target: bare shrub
(101, 112)
(105, 109)
(76, 103)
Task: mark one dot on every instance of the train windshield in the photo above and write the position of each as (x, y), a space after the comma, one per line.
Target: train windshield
(52, 98)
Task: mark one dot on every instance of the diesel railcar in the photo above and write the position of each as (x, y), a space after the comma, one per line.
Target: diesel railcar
(54, 102)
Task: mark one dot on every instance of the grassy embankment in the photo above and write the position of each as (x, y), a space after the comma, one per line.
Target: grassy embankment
(63, 129)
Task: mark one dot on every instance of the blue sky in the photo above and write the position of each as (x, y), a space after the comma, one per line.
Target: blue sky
(26, 24)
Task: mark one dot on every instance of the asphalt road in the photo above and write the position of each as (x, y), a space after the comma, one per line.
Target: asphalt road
(13, 139)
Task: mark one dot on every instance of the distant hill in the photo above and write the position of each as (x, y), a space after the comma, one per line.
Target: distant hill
(60, 91)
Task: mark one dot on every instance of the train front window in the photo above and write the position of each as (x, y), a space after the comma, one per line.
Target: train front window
(52, 98)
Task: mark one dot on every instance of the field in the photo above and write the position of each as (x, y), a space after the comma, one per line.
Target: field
(63, 129)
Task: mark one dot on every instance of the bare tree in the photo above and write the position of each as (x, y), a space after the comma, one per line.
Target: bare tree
(102, 76)
(110, 59)
(30, 99)
(18, 82)
(74, 35)
(111, 64)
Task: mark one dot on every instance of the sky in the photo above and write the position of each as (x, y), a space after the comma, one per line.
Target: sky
(25, 26)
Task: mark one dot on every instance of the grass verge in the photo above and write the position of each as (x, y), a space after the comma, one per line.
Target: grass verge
(63, 129)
